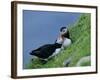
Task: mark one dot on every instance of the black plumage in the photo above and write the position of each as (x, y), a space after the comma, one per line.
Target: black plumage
(45, 51)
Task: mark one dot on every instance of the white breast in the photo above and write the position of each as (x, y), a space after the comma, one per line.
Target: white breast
(66, 42)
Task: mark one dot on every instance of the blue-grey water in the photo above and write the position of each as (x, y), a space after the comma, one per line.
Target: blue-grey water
(42, 27)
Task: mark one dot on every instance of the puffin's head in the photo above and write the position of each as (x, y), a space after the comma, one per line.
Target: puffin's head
(64, 32)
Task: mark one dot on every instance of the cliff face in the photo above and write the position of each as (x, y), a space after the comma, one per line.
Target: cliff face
(81, 38)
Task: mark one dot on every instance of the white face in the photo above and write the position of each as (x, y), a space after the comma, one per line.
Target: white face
(63, 31)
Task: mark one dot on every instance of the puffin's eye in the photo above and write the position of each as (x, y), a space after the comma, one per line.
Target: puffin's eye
(64, 30)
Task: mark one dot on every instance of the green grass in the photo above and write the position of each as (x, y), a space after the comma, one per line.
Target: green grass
(80, 35)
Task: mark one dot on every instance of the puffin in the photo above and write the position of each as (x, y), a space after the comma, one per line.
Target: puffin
(66, 35)
(47, 51)
(66, 40)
